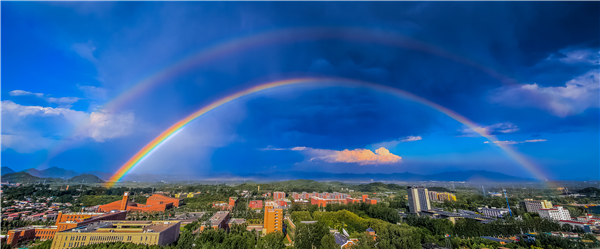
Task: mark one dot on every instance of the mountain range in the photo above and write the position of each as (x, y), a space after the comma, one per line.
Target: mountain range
(472, 176)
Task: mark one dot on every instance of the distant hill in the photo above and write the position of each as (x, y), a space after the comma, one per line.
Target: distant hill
(21, 177)
(590, 190)
(86, 178)
(53, 172)
(6, 170)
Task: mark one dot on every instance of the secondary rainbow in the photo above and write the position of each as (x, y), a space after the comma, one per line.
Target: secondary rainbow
(171, 131)
(281, 36)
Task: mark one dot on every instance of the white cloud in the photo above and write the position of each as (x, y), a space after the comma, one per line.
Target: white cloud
(576, 56)
(21, 129)
(498, 128)
(517, 142)
(66, 102)
(360, 156)
(394, 143)
(94, 92)
(24, 93)
(574, 98)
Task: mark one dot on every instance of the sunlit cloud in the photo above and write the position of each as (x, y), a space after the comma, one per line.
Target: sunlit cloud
(517, 142)
(360, 156)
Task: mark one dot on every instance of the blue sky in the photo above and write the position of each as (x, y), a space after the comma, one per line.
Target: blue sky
(63, 61)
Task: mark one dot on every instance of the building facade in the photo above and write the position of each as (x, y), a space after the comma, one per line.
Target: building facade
(418, 199)
(533, 206)
(138, 232)
(278, 196)
(556, 213)
(154, 203)
(273, 221)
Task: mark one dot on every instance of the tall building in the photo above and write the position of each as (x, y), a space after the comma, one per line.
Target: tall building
(138, 232)
(278, 196)
(533, 206)
(556, 213)
(273, 218)
(418, 199)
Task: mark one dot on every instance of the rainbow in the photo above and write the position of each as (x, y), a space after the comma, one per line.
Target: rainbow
(171, 131)
(290, 35)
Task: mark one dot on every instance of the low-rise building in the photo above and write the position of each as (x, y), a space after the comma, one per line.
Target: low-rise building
(556, 213)
(219, 220)
(494, 212)
(138, 232)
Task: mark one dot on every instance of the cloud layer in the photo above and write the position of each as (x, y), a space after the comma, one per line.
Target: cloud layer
(574, 98)
(20, 132)
(517, 142)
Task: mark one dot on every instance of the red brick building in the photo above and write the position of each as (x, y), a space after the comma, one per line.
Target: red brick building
(256, 204)
(20, 235)
(154, 203)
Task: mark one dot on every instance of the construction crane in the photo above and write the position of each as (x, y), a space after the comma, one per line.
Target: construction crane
(508, 205)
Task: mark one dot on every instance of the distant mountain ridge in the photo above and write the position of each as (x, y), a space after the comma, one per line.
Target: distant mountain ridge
(470, 175)
(24, 177)
(6, 170)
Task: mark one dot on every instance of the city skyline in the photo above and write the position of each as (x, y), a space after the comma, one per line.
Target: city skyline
(87, 85)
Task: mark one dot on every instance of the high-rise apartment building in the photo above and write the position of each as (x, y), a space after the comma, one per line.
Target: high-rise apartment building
(418, 199)
(273, 218)
(278, 195)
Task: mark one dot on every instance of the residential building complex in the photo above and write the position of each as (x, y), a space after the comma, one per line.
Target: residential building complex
(278, 195)
(138, 232)
(256, 204)
(418, 199)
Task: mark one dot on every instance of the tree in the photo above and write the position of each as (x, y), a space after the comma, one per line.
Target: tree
(272, 241)
(185, 240)
(328, 242)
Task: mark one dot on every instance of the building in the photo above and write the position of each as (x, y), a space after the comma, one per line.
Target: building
(138, 232)
(494, 212)
(418, 199)
(154, 203)
(441, 196)
(534, 206)
(219, 220)
(278, 196)
(233, 201)
(20, 235)
(73, 220)
(556, 213)
(273, 221)
(257, 204)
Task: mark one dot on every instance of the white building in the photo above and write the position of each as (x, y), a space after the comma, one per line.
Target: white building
(556, 213)
(494, 212)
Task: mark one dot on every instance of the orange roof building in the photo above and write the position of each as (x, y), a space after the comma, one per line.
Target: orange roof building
(154, 203)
